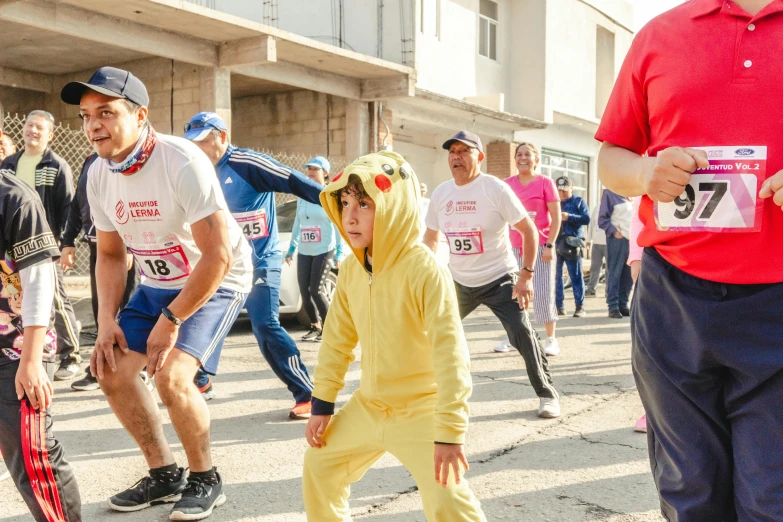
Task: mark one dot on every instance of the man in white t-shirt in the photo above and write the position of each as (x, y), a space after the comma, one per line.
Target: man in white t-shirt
(157, 197)
(474, 211)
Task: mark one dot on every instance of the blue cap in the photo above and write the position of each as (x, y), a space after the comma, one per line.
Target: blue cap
(320, 162)
(202, 124)
(111, 82)
(466, 137)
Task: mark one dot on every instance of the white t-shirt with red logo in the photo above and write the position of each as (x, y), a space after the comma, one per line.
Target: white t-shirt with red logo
(153, 210)
(475, 219)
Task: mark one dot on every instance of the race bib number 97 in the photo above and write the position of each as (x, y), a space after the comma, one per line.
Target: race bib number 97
(465, 241)
(722, 197)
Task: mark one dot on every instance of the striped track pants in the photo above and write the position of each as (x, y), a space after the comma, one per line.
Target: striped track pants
(544, 308)
(34, 457)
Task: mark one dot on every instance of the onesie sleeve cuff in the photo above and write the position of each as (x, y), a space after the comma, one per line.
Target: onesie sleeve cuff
(320, 407)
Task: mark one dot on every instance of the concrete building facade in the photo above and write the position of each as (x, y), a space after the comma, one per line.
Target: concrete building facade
(509, 70)
(341, 78)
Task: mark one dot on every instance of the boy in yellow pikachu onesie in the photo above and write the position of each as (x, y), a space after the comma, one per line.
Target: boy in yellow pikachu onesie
(394, 298)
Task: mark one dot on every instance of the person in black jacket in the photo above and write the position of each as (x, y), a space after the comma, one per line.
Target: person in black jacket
(80, 222)
(51, 177)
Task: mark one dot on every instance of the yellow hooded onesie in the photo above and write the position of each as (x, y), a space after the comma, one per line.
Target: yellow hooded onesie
(415, 368)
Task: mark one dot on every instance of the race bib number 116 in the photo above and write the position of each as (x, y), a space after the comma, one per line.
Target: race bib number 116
(722, 197)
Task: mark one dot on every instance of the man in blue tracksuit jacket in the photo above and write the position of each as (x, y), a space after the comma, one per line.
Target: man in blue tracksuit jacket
(250, 180)
(576, 214)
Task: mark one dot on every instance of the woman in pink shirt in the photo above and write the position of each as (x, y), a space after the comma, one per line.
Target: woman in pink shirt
(538, 195)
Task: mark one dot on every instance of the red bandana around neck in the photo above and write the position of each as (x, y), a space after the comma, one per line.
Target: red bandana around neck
(140, 154)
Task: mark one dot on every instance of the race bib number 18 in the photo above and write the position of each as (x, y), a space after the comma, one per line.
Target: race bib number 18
(722, 197)
(465, 241)
(162, 264)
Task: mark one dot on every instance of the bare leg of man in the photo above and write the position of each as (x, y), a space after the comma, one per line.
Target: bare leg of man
(187, 409)
(135, 407)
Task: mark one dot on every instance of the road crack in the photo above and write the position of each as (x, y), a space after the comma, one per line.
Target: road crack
(592, 508)
(503, 380)
(584, 437)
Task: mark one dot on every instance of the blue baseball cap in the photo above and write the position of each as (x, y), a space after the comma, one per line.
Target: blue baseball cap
(111, 82)
(466, 137)
(202, 124)
(320, 162)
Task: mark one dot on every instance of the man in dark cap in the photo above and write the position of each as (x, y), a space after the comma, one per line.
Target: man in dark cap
(474, 211)
(575, 214)
(157, 197)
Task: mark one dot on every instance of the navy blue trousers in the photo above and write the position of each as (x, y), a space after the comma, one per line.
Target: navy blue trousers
(574, 267)
(708, 363)
(277, 347)
(618, 274)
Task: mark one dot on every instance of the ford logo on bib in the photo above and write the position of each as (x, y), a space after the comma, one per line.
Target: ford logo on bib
(744, 152)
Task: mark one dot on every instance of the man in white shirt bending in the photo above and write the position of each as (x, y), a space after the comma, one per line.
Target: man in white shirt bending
(157, 197)
(474, 211)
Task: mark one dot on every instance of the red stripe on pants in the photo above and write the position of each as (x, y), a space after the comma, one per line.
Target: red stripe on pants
(36, 462)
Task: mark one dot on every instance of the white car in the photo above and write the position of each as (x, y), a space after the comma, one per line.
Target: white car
(290, 298)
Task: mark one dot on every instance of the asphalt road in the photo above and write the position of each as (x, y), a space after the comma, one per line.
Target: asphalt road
(588, 465)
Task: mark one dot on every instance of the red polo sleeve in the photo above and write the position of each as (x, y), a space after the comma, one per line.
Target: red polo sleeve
(625, 121)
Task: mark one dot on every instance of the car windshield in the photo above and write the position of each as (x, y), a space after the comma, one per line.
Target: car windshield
(286, 213)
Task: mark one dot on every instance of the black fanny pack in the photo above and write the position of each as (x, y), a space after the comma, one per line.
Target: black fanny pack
(571, 247)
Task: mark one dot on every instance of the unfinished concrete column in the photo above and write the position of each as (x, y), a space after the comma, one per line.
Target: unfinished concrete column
(357, 129)
(216, 92)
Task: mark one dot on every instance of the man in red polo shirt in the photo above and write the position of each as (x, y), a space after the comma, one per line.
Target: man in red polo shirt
(701, 93)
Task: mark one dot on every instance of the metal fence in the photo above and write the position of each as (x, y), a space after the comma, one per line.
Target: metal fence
(74, 147)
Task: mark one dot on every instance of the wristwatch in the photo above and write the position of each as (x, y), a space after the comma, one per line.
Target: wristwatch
(549, 245)
(171, 317)
(528, 269)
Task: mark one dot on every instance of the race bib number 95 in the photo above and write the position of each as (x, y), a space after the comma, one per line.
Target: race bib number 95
(465, 241)
(722, 197)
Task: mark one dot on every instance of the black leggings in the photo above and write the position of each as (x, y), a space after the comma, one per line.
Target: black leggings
(311, 271)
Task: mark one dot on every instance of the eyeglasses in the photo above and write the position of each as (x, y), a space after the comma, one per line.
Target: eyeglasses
(198, 124)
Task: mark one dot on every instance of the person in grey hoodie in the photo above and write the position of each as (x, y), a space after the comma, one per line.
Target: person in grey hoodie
(614, 218)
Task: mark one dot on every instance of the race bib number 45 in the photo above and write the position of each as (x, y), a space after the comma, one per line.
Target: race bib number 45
(465, 241)
(253, 224)
(722, 197)
(162, 264)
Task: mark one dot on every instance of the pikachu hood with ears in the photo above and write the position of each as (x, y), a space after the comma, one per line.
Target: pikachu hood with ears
(404, 314)
(391, 183)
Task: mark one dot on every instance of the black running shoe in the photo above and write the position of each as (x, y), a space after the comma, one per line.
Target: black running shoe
(198, 500)
(312, 334)
(89, 383)
(148, 492)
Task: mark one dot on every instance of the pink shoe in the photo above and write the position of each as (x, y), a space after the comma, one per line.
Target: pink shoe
(641, 425)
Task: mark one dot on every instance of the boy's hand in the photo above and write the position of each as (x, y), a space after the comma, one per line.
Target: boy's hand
(449, 456)
(31, 380)
(316, 427)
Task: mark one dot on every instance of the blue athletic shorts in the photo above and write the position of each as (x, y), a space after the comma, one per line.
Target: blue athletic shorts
(201, 336)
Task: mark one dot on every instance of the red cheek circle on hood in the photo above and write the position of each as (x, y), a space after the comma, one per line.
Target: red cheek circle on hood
(383, 183)
(337, 177)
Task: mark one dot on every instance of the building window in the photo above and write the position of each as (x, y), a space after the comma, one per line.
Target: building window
(488, 29)
(604, 69)
(577, 168)
(430, 18)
